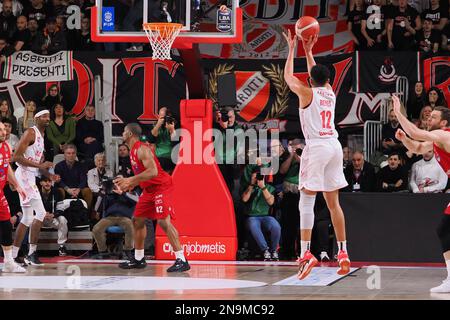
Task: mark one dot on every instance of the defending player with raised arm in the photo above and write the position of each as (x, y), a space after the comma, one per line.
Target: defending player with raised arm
(322, 158)
(421, 141)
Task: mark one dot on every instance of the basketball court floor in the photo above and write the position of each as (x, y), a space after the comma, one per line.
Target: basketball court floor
(92, 279)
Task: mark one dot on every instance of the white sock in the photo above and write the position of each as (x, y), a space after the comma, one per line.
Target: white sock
(180, 255)
(138, 254)
(8, 255)
(447, 262)
(342, 245)
(32, 249)
(15, 251)
(304, 246)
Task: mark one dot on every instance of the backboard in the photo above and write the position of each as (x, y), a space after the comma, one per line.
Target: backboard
(203, 22)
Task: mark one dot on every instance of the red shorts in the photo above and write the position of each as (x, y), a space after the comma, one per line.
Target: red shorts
(4, 208)
(155, 206)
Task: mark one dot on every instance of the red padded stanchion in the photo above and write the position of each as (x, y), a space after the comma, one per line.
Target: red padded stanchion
(204, 208)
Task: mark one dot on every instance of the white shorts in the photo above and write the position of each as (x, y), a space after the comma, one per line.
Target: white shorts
(27, 180)
(321, 166)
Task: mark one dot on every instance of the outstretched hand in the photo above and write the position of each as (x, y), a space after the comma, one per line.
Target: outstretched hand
(396, 105)
(400, 135)
(292, 41)
(309, 43)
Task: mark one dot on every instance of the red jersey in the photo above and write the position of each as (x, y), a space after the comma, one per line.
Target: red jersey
(442, 156)
(161, 182)
(5, 157)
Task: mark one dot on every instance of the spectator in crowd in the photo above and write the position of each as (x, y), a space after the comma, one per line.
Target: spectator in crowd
(33, 27)
(5, 49)
(54, 218)
(260, 198)
(118, 208)
(225, 122)
(162, 132)
(59, 7)
(51, 39)
(402, 26)
(437, 14)
(11, 138)
(7, 20)
(61, 130)
(125, 168)
(428, 39)
(17, 7)
(360, 175)
(82, 38)
(27, 120)
(354, 25)
(373, 26)
(347, 156)
(89, 134)
(7, 112)
(409, 159)
(427, 176)
(290, 216)
(435, 98)
(390, 142)
(416, 102)
(73, 182)
(393, 177)
(21, 39)
(52, 97)
(95, 178)
(37, 10)
(424, 115)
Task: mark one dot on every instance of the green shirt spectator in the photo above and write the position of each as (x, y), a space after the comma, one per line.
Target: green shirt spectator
(61, 129)
(161, 137)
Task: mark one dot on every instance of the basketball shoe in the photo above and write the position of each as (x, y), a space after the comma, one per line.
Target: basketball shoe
(179, 266)
(12, 267)
(343, 262)
(305, 265)
(133, 264)
(443, 288)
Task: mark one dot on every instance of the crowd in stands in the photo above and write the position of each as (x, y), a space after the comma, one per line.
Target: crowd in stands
(399, 25)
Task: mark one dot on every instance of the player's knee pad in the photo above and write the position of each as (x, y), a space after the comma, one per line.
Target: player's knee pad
(306, 208)
(27, 219)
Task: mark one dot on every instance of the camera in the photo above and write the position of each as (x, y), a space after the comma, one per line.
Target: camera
(107, 185)
(168, 118)
(259, 176)
(224, 115)
(299, 151)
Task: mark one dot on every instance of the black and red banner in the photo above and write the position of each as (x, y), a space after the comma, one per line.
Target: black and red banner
(134, 87)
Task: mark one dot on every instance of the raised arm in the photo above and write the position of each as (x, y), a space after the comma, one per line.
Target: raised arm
(416, 147)
(303, 92)
(438, 136)
(310, 62)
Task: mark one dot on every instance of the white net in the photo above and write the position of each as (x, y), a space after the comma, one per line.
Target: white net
(161, 37)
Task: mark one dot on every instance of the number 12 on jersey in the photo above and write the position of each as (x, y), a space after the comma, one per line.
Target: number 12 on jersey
(326, 119)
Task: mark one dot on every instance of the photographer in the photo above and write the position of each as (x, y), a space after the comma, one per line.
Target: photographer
(225, 121)
(260, 199)
(162, 132)
(117, 210)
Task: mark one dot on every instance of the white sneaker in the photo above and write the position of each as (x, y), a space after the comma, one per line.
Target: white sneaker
(443, 288)
(12, 267)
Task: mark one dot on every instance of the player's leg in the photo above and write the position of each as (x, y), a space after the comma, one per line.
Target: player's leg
(9, 265)
(25, 223)
(443, 232)
(140, 232)
(181, 263)
(35, 230)
(306, 207)
(338, 220)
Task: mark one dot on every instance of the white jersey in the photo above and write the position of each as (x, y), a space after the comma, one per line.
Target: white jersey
(34, 152)
(317, 120)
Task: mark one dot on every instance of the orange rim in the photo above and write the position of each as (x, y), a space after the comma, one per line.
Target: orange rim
(161, 25)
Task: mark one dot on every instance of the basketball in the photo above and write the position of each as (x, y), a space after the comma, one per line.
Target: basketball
(306, 26)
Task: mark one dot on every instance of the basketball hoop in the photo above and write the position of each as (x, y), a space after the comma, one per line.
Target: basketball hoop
(161, 37)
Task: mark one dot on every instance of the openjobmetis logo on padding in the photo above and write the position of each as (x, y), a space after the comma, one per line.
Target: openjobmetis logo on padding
(198, 248)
